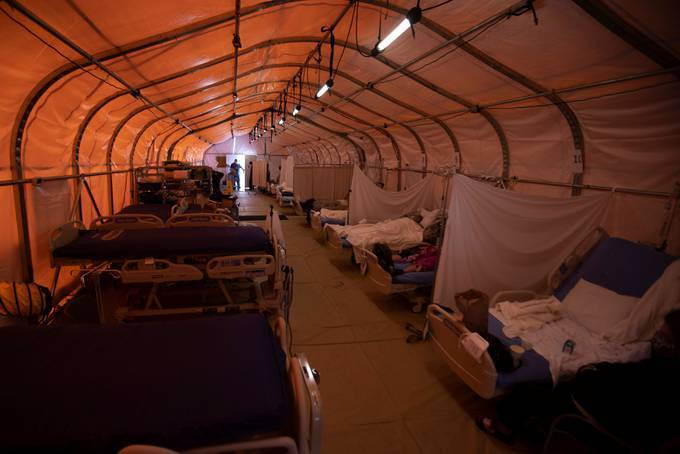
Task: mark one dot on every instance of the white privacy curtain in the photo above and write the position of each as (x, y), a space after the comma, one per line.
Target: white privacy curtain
(367, 201)
(287, 172)
(502, 240)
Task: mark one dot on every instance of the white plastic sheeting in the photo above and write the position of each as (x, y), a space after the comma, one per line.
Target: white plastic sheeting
(502, 240)
(368, 201)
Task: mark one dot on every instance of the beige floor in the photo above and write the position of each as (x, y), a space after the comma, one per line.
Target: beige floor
(380, 394)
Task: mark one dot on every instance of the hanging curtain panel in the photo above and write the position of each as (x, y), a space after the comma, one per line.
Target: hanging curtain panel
(368, 201)
(501, 240)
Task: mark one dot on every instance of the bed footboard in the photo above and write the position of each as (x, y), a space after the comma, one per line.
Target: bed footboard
(127, 222)
(446, 336)
(201, 220)
(308, 404)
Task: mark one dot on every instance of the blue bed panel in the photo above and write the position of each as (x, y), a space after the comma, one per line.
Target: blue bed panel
(533, 367)
(419, 278)
(178, 384)
(621, 266)
(332, 221)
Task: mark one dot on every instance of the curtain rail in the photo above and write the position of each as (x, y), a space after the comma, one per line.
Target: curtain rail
(590, 187)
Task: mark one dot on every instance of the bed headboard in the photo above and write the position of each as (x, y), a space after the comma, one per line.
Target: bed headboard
(620, 265)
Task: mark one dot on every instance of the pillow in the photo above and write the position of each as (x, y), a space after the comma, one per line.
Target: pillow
(596, 308)
(429, 217)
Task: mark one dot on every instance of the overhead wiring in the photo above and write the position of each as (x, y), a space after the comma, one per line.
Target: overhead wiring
(81, 67)
(429, 8)
(589, 98)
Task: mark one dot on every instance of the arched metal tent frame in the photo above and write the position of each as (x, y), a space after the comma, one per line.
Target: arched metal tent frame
(594, 7)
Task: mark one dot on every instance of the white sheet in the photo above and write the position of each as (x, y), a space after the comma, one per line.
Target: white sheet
(588, 347)
(500, 240)
(340, 215)
(648, 314)
(367, 201)
(397, 233)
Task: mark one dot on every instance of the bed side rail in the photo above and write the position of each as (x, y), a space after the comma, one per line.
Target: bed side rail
(63, 235)
(447, 333)
(201, 220)
(241, 266)
(575, 259)
(368, 263)
(127, 222)
(308, 404)
(157, 270)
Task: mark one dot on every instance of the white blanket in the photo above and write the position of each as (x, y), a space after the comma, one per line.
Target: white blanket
(589, 348)
(648, 314)
(528, 315)
(397, 233)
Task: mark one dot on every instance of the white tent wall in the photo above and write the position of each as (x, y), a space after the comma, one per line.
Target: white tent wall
(323, 183)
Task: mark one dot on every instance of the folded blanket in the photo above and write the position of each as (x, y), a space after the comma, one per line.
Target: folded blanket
(529, 315)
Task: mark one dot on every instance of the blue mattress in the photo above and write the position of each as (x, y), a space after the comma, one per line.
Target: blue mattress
(177, 384)
(164, 243)
(533, 367)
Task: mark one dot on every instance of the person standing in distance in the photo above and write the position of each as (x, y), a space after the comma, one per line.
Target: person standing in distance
(236, 167)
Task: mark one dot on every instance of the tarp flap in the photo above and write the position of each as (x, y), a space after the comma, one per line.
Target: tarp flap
(367, 201)
(502, 240)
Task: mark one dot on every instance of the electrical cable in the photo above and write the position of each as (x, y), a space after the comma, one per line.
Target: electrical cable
(590, 98)
(430, 8)
(349, 30)
(58, 51)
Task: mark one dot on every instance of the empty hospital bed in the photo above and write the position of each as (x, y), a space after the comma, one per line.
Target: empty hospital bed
(225, 382)
(616, 264)
(170, 255)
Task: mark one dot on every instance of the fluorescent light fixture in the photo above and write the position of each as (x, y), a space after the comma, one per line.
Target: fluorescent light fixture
(327, 86)
(394, 34)
(413, 16)
(296, 109)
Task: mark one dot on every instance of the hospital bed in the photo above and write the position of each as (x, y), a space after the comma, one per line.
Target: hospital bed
(285, 196)
(318, 220)
(203, 254)
(613, 263)
(223, 384)
(387, 284)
